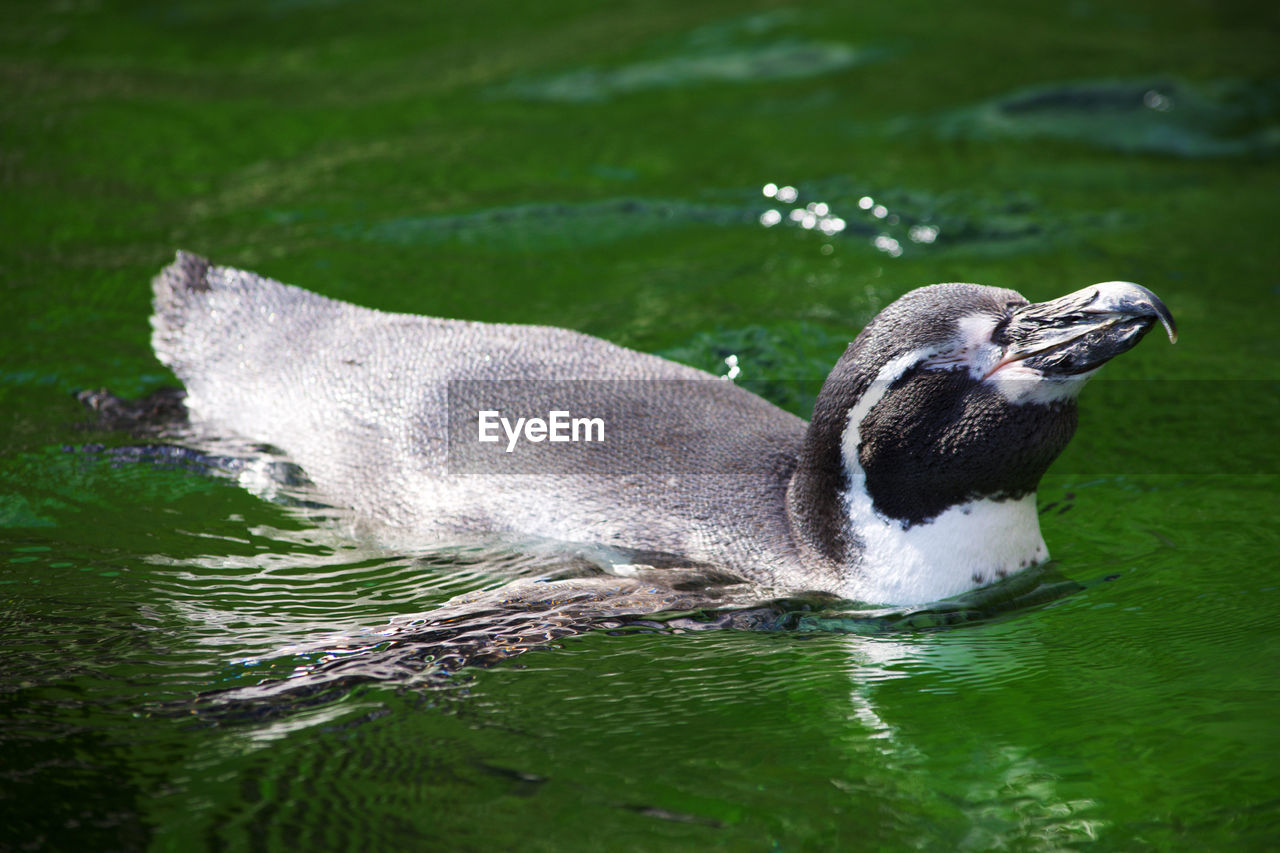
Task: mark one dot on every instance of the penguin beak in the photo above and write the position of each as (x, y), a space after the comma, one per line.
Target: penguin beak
(1081, 331)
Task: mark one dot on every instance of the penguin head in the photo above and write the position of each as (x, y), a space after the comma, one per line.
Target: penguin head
(938, 422)
(969, 392)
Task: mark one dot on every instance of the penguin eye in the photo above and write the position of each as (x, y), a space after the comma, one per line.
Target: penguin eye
(999, 334)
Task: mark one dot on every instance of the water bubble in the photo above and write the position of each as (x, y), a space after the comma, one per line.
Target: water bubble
(770, 190)
(732, 361)
(770, 218)
(865, 202)
(1156, 101)
(888, 245)
(831, 225)
(786, 195)
(923, 233)
(879, 211)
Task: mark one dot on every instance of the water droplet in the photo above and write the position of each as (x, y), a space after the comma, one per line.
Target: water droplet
(923, 233)
(1156, 101)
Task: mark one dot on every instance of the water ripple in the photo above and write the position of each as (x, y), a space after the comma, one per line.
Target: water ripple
(1159, 115)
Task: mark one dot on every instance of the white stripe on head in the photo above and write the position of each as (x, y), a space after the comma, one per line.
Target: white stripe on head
(852, 438)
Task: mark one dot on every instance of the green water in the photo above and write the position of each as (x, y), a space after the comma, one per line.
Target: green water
(599, 167)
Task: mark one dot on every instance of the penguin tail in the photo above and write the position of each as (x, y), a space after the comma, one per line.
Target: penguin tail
(181, 297)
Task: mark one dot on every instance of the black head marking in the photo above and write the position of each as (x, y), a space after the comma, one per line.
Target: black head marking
(942, 438)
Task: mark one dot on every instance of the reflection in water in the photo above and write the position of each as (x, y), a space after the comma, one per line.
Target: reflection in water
(1002, 791)
(656, 649)
(1015, 796)
(872, 661)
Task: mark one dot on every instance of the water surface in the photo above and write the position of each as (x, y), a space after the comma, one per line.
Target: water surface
(190, 665)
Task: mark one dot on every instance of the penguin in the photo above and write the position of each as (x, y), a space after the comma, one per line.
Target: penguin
(914, 480)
